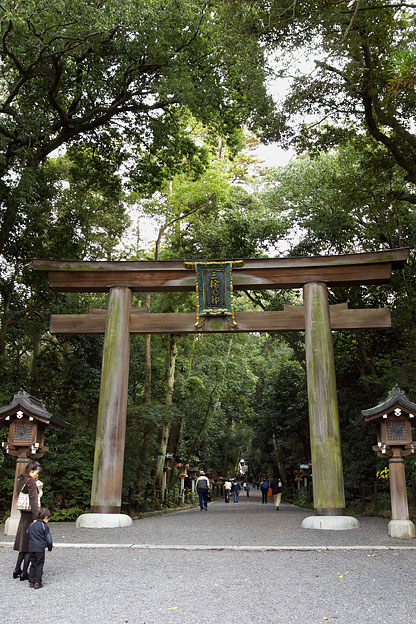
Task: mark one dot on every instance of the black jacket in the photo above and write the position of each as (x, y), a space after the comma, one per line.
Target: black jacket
(39, 536)
(274, 484)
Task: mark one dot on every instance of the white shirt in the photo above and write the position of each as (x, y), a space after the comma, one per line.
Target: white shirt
(200, 483)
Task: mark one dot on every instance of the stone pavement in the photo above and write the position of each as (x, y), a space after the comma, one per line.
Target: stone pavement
(235, 563)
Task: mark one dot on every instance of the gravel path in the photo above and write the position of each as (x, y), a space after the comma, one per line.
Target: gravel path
(194, 567)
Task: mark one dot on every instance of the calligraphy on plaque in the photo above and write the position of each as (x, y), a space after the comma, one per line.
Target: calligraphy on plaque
(214, 287)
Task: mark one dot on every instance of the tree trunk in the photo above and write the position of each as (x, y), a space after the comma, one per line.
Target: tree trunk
(147, 399)
(166, 425)
(34, 367)
(5, 323)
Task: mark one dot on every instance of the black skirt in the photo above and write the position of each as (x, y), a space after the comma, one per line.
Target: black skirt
(21, 543)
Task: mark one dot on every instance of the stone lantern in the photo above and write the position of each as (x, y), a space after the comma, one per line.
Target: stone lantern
(192, 471)
(183, 473)
(394, 418)
(27, 418)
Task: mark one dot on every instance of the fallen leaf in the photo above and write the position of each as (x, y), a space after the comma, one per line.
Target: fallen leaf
(172, 608)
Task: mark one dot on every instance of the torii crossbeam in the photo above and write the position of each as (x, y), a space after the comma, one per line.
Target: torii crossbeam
(316, 317)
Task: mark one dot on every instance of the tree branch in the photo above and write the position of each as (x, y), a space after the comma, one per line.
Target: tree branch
(408, 197)
(370, 107)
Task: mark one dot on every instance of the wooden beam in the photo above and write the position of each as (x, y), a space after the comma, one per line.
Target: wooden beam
(167, 323)
(258, 274)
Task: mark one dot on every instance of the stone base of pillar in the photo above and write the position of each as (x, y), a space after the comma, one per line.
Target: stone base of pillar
(402, 529)
(11, 524)
(331, 523)
(103, 521)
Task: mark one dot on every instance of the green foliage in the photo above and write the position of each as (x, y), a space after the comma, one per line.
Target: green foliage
(359, 78)
(122, 83)
(302, 498)
(403, 70)
(342, 201)
(67, 515)
(281, 430)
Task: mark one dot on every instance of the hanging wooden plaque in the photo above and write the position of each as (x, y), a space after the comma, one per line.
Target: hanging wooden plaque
(214, 287)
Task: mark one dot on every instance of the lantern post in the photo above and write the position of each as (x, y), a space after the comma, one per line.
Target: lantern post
(27, 419)
(394, 418)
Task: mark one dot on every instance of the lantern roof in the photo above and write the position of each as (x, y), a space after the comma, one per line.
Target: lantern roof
(31, 406)
(396, 399)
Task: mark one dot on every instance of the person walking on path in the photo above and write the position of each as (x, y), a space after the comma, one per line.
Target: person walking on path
(227, 490)
(236, 490)
(264, 487)
(26, 484)
(202, 487)
(277, 485)
(247, 489)
(39, 539)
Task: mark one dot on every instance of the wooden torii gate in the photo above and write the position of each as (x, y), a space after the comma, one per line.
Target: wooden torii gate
(314, 275)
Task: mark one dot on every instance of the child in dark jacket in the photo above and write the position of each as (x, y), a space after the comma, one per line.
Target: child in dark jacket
(39, 539)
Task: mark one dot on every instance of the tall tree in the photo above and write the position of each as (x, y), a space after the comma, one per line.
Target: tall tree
(119, 75)
(359, 76)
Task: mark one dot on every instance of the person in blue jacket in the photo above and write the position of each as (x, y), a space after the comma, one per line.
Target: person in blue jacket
(236, 490)
(264, 487)
(39, 539)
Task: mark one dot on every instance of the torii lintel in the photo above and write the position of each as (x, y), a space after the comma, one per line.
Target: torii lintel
(255, 274)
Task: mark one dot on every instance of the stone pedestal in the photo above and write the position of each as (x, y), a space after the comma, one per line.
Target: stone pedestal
(103, 521)
(331, 523)
(402, 529)
(11, 524)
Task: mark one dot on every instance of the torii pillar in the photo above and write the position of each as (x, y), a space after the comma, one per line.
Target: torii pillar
(107, 477)
(325, 437)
